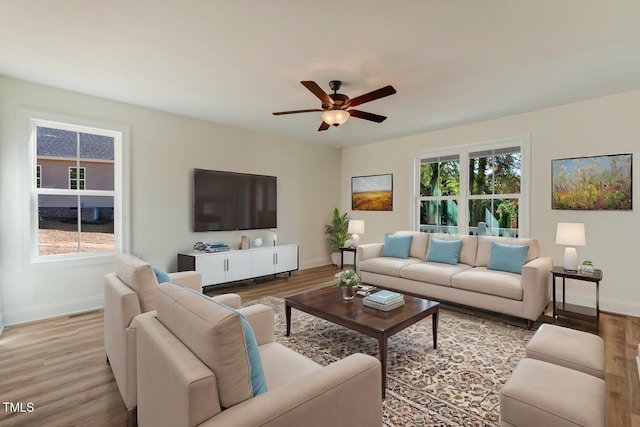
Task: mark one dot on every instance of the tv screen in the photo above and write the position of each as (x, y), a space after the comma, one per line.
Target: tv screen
(226, 201)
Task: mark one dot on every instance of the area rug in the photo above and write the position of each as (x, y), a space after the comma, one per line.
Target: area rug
(456, 385)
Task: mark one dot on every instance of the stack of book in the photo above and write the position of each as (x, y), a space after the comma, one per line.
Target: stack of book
(217, 247)
(384, 300)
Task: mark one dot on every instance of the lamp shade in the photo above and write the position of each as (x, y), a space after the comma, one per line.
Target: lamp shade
(570, 234)
(335, 117)
(356, 226)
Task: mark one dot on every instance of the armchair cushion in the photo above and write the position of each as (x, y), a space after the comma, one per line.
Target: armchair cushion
(215, 333)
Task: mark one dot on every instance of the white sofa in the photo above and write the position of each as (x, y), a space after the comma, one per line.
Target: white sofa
(469, 282)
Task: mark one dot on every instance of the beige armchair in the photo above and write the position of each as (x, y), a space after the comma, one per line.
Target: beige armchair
(129, 291)
(196, 368)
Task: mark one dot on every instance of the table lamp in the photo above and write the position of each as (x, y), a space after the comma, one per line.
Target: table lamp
(570, 234)
(356, 226)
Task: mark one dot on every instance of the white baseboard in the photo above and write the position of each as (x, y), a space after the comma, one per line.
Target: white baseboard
(48, 311)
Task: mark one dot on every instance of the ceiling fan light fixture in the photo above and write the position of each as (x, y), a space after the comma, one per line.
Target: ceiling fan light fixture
(335, 117)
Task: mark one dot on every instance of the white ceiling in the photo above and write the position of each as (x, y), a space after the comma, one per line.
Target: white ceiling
(237, 61)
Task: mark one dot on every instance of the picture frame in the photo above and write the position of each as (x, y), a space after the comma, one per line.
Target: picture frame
(372, 193)
(593, 183)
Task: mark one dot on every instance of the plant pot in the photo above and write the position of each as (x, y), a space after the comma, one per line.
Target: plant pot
(335, 258)
(348, 293)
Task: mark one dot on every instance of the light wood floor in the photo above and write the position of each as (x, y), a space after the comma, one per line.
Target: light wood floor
(59, 365)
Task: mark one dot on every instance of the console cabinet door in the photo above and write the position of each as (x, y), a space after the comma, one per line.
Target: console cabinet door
(262, 262)
(212, 268)
(238, 265)
(286, 258)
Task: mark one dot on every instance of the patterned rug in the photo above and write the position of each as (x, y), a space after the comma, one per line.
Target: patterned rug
(456, 385)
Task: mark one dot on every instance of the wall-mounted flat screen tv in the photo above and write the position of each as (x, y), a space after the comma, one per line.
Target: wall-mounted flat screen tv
(225, 201)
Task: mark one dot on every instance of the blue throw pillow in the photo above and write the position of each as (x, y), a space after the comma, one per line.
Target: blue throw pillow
(258, 380)
(397, 246)
(161, 275)
(509, 258)
(444, 251)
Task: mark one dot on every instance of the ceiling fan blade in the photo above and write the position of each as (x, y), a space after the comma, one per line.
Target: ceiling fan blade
(323, 126)
(371, 96)
(279, 113)
(367, 116)
(317, 91)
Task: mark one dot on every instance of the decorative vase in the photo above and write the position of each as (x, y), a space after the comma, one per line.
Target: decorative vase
(348, 293)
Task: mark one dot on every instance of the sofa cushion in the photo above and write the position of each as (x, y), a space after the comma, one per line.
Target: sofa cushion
(467, 250)
(386, 265)
(396, 246)
(444, 251)
(139, 276)
(419, 243)
(484, 248)
(507, 257)
(491, 282)
(432, 272)
(214, 334)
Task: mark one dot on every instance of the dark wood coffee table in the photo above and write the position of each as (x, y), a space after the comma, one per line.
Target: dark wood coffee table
(327, 303)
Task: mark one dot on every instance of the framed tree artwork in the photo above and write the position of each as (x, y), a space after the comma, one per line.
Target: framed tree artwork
(592, 183)
(372, 193)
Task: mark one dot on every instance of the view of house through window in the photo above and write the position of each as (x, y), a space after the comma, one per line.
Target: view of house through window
(469, 191)
(74, 190)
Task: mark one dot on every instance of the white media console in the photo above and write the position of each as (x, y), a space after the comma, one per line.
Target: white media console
(234, 265)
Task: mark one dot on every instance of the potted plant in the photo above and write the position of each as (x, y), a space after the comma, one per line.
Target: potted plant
(348, 280)
(337, 234)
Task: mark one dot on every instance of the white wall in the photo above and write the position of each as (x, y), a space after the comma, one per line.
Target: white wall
(165, 148)
(607, 125)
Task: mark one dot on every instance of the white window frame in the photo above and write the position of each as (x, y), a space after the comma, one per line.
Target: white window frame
(78, 180)
(28, 121)
(463, 151)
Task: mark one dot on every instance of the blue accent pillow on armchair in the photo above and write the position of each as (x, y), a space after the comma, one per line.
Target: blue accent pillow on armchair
(397, 246)
(509, 258)
(444, 251)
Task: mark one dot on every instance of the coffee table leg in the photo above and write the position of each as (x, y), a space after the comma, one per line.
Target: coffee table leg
(434, 321)
(382, 347)
(287, 312)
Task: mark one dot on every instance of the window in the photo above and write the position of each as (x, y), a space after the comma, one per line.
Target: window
(78, 200)
(76, 178)
(486, 196)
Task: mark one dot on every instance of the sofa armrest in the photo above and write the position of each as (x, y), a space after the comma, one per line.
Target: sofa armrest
(231, 300)
(535, 287)
(369, 250)
(344, 394)
(189, 279)
(261, 318)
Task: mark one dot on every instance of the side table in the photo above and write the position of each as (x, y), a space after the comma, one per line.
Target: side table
(344, 249)
(572, 310)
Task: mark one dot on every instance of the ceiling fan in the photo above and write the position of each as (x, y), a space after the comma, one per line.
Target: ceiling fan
(336, 107)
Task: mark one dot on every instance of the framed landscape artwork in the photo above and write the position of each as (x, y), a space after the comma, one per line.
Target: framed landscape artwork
(592, 183)
(372, 193)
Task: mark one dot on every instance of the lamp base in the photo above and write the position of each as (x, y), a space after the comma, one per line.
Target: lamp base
(353, 242)
(570, 259)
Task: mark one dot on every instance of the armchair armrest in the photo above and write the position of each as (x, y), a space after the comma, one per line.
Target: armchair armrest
(535, 286)
(231, 300)
(189, 279)
(261, 318)
(344, 394)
